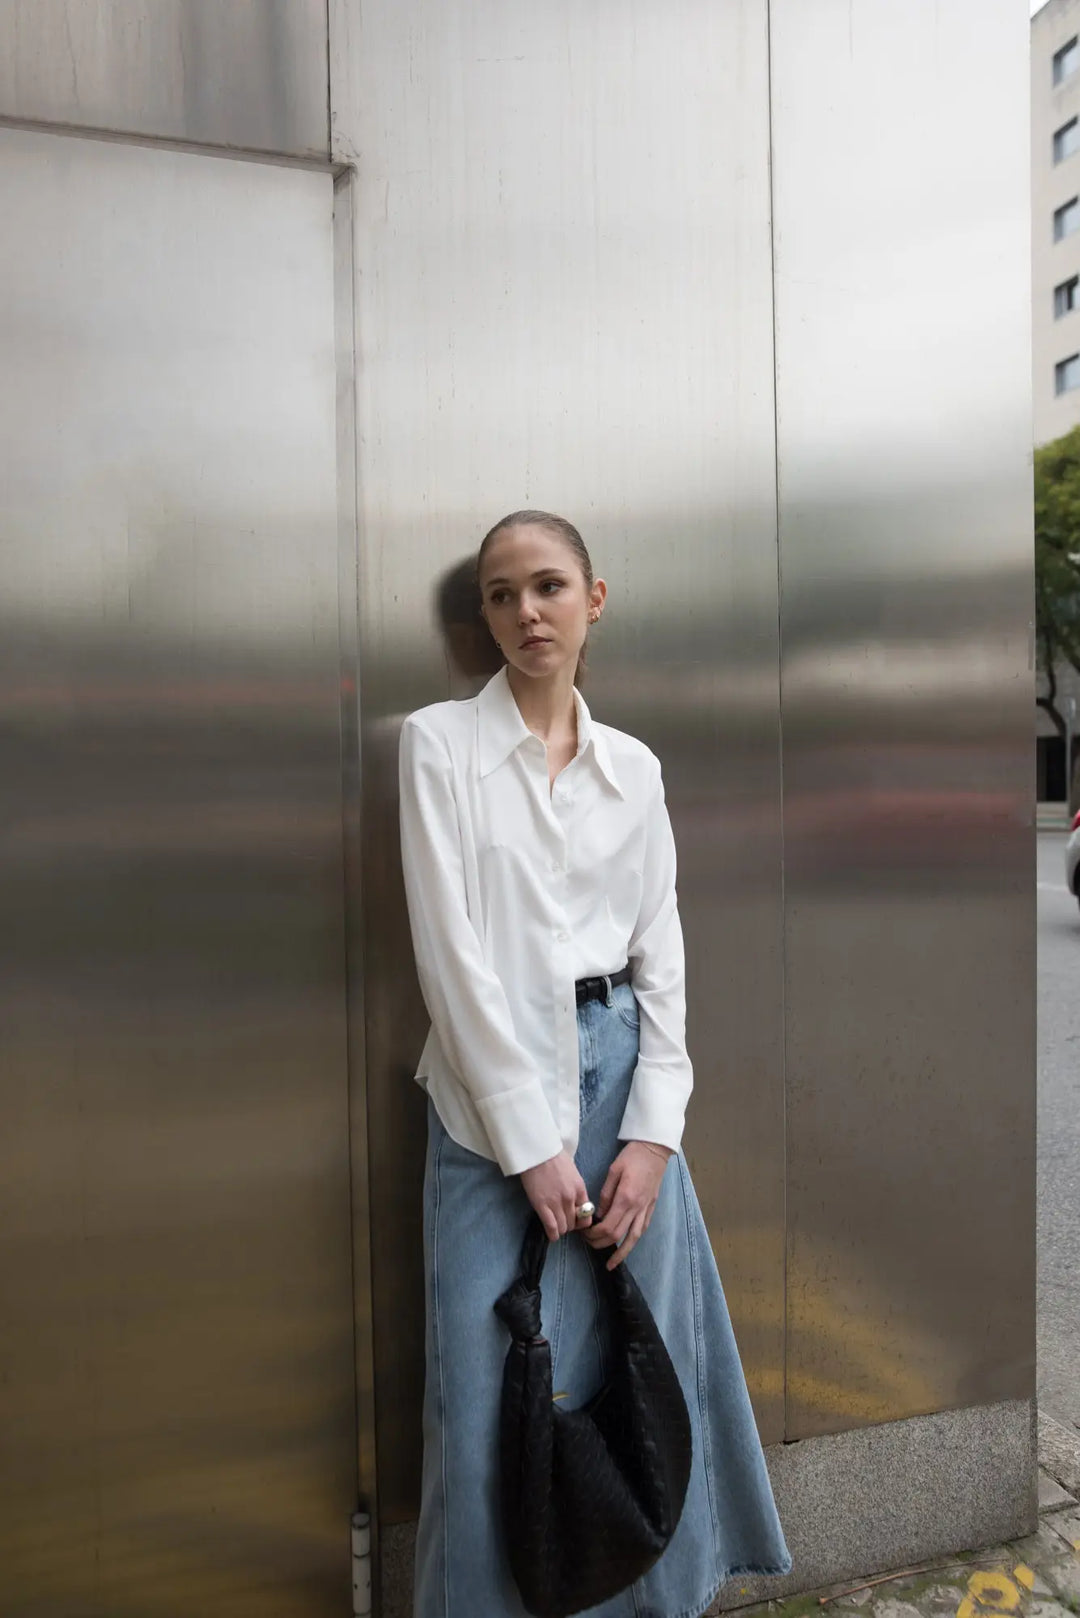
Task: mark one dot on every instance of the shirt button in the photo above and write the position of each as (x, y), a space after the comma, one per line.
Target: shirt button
(557, 865)
(564, 938)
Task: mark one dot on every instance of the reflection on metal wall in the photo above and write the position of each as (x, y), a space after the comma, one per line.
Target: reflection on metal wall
(902, 309)
(176, 1400)
(250, 73)
(564, 300)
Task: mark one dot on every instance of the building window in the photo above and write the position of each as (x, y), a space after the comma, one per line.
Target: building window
(1067, 374)
(1066, 60)
(1066, 219)
(1065, 297)
(1066, 140)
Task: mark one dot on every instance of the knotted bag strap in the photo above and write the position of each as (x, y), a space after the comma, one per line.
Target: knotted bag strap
(519, 1306)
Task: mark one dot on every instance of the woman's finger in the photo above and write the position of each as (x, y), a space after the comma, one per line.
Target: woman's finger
(622, 1247)
(612, 1217)
(616, 1221)
(610, 1186)
(547, 1219)
(597, 1234)
(581, 1194)
(627, 1245)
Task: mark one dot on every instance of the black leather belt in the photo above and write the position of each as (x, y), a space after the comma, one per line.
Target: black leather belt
(597, 988)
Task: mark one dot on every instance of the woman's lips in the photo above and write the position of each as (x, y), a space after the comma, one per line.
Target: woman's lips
(534, 640)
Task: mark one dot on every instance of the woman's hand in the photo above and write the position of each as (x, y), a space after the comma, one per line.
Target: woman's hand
(556, 1190)
(628, 1198)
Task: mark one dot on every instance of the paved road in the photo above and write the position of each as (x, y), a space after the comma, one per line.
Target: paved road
(1059, 1136)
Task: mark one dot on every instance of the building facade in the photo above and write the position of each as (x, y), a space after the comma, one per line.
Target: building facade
(1055, 290)
(1055, 224)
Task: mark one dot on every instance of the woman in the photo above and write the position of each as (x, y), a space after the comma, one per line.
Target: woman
(540, 874)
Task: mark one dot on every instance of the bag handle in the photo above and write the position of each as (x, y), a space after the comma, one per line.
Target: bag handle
(519, 1306)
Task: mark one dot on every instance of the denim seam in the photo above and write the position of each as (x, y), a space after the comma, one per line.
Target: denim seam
(636, 1594)
(699, 1342)
(437, 1343)
(560, 1293)
(598, 1336)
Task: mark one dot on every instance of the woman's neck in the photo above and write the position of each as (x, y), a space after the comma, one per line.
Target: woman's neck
(547, 706)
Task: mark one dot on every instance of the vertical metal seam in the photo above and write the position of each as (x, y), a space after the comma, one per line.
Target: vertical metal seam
(352, 811)
(329, 96)
(780, 715)
(347, 659)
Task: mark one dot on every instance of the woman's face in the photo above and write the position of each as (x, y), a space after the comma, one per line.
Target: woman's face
(535, 599)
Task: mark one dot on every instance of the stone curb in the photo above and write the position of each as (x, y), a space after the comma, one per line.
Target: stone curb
(1059, 1452)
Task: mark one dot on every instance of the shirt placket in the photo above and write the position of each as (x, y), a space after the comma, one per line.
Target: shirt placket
(561, 806)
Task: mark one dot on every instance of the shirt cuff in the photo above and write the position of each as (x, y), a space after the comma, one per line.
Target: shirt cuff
(656, 1107)
(520, 1127)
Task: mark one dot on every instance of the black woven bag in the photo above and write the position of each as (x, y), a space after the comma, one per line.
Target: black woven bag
(591, 1496)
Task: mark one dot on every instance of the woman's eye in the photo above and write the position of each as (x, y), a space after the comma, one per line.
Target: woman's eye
(498, 597)
(551, 584)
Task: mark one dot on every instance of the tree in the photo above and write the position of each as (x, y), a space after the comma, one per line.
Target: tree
(1057, 563)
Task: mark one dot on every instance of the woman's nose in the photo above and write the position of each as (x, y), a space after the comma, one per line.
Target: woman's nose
(527, 613)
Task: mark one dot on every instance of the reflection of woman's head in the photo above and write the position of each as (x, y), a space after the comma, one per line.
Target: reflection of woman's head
(537, 591)
(468, 643)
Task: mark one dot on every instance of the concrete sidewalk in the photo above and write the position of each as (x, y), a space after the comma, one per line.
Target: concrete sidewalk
(1034, 1577)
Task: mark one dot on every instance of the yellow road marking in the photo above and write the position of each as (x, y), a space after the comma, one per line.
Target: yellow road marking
(989, 1590)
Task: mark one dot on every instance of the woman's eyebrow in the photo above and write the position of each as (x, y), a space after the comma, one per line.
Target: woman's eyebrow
(540, 573)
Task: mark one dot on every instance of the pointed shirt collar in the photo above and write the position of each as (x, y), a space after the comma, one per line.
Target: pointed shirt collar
(501, 729)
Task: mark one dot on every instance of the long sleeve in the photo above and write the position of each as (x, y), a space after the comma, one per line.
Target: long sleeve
(663, 1079)
(464, 997)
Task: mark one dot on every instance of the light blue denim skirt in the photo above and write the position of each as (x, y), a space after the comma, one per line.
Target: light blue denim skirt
(474, 1222)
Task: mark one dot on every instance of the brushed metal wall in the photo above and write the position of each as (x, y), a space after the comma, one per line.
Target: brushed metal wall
(247, 73)
(177, 1392)
(555, 287)
(564, 299)
(904, 433)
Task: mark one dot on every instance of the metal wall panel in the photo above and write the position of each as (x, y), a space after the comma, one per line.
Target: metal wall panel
(248, 73)
(901, 186)
(177, 1392)
(564, 300)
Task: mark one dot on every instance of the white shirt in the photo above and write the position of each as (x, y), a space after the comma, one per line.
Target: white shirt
(515, 890)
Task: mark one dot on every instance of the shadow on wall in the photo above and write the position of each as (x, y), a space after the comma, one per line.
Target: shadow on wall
(396, 1026)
